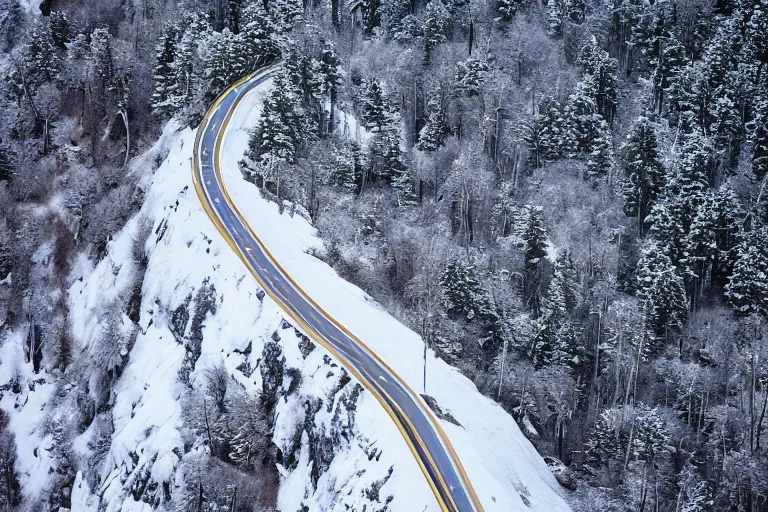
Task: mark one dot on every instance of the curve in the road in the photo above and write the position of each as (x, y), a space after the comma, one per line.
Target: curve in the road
(416, 422)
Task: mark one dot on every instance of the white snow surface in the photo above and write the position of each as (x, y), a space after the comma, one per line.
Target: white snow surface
(29, 5)
(184, 250)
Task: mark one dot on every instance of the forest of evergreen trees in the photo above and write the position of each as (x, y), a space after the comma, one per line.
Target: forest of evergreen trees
(566, 199)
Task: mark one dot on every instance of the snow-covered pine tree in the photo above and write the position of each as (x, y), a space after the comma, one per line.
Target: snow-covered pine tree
(684, 98)
(327, 69)
(375, 106)
(223, 61)
(330, 68)
(626, 433)
(60, 29)
(553, 129)
(544, 134)
(600, 70)
(507, 9)
(166, 82)
(7, 167)
(403, 184)
(562, 11)
(392, 15)
(10, 490)
(371, 11)
(278, 135)
(672, 60)
(258, 34)
(78, 47)
(695, 490)
(436, 22)
(556, 342)
(700, 245)
(462, 296)
(651, 434)
(564, 277)
(587, 133)
(187, 69)
(409, 29)
(600, 159)
(662, 292)
(470, 76)
(756, 34)
(708, 247)
(432, 136)
(665, 225)
(534, 236)
(555, 337)
(101, 55)
(693, 177)
(747, 289)
(760, 150)
(234, 15)
(387, 163)
(582, 120)
(650, 26)
(285, 14)
(347, 168)
(643, 172)
(718, 78)
(604, 440)
(42, 61)
(555, 16)
(298, 70)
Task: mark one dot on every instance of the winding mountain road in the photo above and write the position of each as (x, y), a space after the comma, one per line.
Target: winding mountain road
(418, 425)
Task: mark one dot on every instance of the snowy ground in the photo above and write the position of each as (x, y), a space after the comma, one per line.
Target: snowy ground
(371, 465)
(30, 5)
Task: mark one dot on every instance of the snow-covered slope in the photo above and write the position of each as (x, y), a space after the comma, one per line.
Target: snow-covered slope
(198, 308)
(504, 468)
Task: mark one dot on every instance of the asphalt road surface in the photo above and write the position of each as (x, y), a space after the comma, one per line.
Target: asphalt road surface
(418, 425)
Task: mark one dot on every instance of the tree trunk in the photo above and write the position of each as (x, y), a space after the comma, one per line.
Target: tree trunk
(335, 14)
(629, 444)
(597, 351)
(471, 35)
(46, 136)
(752, 386)
(332, 113)
(233, 501)
(124, 114)
(425, 366)
(200, 499)
(208, 433)
(759, 427)
(501, 373)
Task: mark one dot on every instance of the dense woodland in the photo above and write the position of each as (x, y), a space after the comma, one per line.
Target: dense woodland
(566, 199)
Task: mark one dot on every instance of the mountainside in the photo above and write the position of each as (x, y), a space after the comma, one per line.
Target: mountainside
(566, 199)
(208, 347)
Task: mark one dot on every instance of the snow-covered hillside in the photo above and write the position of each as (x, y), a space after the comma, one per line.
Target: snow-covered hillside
(198, 309)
